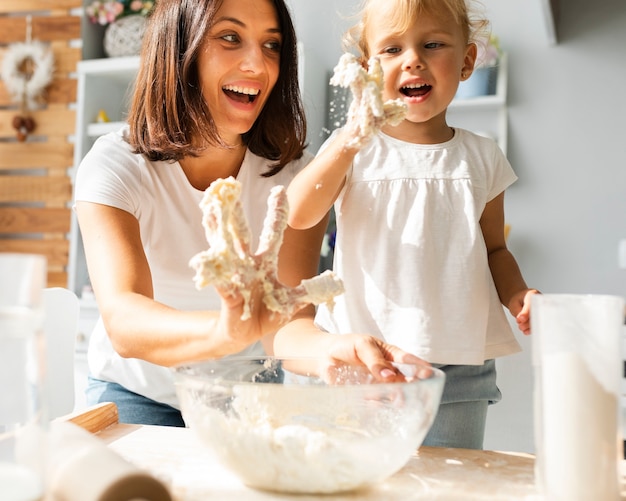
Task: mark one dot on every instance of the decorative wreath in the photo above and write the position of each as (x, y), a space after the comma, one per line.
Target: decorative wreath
(26, 88)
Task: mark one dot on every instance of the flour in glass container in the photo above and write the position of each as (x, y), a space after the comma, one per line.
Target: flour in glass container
(579, 448)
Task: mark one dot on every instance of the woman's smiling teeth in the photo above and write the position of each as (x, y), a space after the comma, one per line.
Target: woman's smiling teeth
(415, 90)
(241, 94)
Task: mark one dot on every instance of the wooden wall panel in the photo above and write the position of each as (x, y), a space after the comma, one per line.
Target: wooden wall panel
(15, 155)
(45, 29)
(51, 121)
(35, 182)
(52, 189)
(38, 5)
(56, 251)
(30, 220)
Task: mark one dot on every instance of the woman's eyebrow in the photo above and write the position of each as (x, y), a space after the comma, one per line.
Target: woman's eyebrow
(238, 22)
(226, 19)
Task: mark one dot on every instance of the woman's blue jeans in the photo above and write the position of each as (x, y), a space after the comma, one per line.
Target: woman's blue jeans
(132, 408)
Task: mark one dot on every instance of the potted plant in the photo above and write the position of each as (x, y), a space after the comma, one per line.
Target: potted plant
(125, 24)
(483, 80)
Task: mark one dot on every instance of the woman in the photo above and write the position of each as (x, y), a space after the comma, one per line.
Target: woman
(216, 96)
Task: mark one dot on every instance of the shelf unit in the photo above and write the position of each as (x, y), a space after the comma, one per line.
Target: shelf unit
(485, 115)
(103, 84)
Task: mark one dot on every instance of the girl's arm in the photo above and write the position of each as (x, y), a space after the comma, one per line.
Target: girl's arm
(141, 327)
(508, 279)
(313, 191)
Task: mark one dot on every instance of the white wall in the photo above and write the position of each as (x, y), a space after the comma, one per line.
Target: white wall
(567, 143)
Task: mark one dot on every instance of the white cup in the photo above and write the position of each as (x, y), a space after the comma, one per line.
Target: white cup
(22, 407)
(577, 365)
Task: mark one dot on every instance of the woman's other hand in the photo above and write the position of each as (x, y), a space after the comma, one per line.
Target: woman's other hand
(373, 353)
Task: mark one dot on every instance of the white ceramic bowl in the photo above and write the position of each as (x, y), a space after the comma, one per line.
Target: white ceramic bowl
(280, 430)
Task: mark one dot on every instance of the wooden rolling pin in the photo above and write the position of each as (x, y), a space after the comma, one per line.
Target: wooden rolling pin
(83, 468)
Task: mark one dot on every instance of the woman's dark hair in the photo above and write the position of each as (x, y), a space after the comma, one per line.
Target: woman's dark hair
(168, 116)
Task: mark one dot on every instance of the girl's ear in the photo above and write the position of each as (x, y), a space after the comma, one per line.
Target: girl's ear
(469, 60)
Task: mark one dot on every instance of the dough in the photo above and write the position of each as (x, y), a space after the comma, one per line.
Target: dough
(367, 112)
(230, 265)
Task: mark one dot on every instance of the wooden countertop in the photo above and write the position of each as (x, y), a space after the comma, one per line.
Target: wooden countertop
(178, 459)
(175, 456)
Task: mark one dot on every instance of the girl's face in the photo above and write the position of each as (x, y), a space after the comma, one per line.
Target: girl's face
(239, 64)
(423, 65)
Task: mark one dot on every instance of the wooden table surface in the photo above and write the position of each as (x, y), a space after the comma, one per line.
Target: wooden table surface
(177, 458)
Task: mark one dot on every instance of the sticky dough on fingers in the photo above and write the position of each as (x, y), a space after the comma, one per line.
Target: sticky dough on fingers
(229, 264)
(368, 112)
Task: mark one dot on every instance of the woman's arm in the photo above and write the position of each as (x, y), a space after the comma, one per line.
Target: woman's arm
(301, 338)
(141, 327)
(313, 191)
(508, 279)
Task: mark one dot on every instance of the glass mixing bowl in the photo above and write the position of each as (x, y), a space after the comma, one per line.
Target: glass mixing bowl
(280, 428)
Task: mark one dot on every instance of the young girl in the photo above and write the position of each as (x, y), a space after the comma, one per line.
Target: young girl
(216, 96)
(420, 221)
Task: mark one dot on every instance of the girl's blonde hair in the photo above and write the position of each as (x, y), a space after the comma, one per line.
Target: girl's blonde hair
(476, 28)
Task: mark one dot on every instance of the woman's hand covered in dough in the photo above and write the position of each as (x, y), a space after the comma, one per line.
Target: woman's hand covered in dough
(373, 353)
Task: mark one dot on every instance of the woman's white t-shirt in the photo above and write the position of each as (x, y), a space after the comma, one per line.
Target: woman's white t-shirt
(159, 195)
(410, 249)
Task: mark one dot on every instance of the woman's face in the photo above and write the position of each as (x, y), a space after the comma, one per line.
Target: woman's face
(239, 64)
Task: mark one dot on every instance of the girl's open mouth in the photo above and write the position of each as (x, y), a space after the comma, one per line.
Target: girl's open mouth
(415, 90)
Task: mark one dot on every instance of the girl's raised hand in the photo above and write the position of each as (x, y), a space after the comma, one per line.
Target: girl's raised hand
(368, 112)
